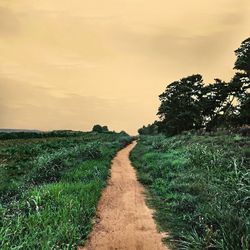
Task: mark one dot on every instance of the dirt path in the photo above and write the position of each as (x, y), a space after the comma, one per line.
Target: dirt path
(123, 219)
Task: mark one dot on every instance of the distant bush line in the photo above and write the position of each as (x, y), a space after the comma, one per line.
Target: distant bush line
(55, 133)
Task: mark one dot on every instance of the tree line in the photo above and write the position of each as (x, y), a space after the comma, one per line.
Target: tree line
(190, 104)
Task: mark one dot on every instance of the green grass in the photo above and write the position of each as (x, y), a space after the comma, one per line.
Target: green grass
(50, 188)
(199, 187)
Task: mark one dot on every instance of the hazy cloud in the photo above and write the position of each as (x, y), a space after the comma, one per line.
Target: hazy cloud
(69, 64)
(55, 110)
(8, 22)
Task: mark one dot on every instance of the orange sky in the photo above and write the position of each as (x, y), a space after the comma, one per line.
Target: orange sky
(71, 64)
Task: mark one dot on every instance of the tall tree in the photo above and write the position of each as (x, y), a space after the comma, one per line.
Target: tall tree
(180, 105)
(189, 104)
(243, 57)
(241, 84)
(243, 117)
(221, 101)
(150, 129)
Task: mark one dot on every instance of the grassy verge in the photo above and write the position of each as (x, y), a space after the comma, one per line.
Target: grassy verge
(50, 188)
(200, 188)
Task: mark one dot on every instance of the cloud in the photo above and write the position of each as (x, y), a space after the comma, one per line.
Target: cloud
(69, 64)
(8, 22)
(23, 105)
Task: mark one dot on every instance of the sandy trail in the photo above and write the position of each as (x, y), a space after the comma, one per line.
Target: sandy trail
(123, 219)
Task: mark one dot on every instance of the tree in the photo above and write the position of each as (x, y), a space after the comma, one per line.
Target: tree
(180, 108)
(105, 129)
(244, 111)
(223, 103)
(189, 104)
(243, 57)
(100, 129)
(150, 129)
(217, 104)
(241, 83)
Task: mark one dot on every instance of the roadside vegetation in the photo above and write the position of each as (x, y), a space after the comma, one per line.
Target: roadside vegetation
(50, 186)
(199, 187)
(195, 160)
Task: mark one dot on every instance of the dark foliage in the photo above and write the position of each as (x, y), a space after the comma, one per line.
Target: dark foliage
(100, 129)
(180, 105)
(29, 135)
(189, 104)
(243, 56)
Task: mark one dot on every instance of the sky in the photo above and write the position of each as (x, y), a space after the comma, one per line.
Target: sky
(72, 64)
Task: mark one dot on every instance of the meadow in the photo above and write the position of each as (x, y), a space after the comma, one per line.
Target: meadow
(50, 185)
(199, 186)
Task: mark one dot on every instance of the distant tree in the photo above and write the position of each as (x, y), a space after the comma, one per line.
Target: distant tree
(150, 129)
(243, 57)
(124, 133)
(142, 130)
(180, 108)
(100, 129)
(97, 128)
(105, 129)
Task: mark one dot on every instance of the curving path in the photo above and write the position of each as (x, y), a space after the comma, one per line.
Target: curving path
(123, 219)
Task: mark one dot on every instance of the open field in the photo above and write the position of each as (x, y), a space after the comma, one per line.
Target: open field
(200, 188)
(50, 187)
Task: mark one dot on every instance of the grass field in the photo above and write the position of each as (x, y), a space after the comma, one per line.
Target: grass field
(50, 186)
(199, 187)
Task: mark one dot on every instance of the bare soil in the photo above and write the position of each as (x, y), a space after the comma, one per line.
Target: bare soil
(123, 219)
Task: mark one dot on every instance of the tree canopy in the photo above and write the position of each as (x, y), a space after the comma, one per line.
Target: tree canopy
(100, 129)
(243, 56)
(180, 109)
(190, 104)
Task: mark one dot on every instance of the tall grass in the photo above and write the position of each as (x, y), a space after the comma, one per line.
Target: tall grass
(50, 189)
(200, 188)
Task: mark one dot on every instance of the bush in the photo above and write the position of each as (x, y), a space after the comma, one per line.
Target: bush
(92, 151)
